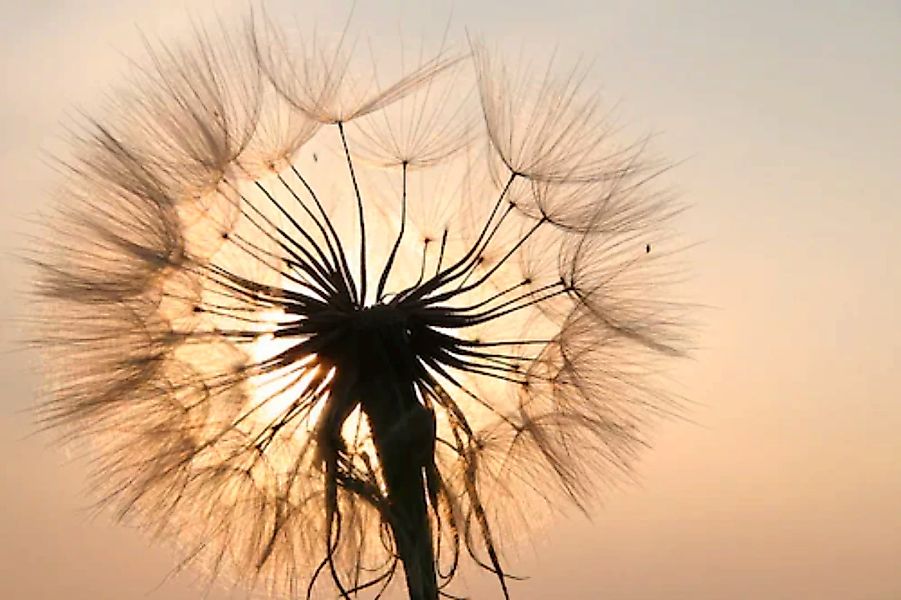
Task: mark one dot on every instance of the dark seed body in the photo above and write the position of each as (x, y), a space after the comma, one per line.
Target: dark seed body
(377, 366)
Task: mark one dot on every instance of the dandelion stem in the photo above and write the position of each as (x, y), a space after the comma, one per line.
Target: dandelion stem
(441, 251)
(296, 225)
(281, 241)
(345, 269)
(353, 178)
(494, 269)
(400, 234)
(343, 279)
(419, 291)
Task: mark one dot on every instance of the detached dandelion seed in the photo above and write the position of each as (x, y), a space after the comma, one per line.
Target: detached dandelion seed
(321, 331)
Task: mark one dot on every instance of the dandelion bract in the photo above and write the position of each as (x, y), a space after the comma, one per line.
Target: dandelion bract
(325, 331)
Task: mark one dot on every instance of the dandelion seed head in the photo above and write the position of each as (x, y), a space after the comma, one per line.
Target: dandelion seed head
(322, 329)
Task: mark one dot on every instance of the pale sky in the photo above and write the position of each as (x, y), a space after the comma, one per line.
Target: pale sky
(786, 482)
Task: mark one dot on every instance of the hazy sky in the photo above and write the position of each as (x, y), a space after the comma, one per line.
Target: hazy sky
(788, 481)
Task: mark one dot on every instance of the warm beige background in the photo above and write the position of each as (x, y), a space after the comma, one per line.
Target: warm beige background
(789, 483)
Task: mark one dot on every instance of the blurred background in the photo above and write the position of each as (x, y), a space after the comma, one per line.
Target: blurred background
(786, 480)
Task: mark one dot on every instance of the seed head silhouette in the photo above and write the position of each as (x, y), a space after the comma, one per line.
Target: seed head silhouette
(318, 329)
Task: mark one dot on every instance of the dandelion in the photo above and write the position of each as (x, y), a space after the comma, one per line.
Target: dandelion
(319, 330)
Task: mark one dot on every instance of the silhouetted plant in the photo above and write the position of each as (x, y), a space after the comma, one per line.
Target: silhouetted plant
(312, 325)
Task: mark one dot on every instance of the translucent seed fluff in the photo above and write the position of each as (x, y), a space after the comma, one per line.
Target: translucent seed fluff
(328, 333)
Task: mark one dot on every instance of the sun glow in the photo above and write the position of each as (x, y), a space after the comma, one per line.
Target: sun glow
(274, 392)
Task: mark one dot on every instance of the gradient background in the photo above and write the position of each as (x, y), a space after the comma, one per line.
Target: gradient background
(788, 482)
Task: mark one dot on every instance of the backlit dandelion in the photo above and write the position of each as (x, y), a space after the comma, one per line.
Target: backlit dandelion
(323, 330)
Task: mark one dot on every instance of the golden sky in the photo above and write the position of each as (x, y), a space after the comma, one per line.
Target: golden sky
(786, 482)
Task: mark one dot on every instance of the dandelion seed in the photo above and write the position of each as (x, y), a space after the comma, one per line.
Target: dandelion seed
(319, 333)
